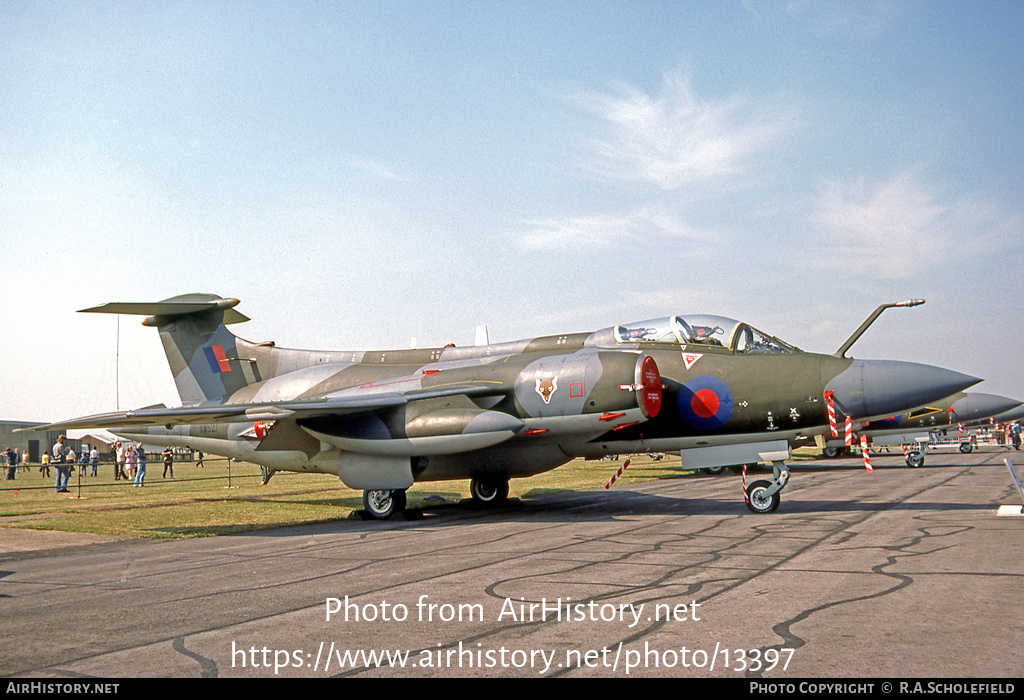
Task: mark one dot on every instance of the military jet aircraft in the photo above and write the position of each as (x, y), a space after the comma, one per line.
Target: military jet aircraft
(966, 429)
(915, 427)
(714, 390)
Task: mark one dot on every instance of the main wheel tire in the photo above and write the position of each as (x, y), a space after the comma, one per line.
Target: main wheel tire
(381, 504)
(915, 459)
(489, 492)
(713, 470)
(966, 447)
(830, 452)
(757, 499)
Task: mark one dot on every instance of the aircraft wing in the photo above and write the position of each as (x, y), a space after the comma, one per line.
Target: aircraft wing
(267, 411)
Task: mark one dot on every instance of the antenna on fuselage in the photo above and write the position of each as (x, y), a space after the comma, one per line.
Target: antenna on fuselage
(481, 336)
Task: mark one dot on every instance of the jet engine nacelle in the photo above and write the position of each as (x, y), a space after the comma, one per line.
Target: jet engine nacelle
(421, 431)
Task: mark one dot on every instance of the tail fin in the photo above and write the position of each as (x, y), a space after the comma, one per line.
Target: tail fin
(203, 353)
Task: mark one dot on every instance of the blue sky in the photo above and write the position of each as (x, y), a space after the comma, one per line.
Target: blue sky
(360, 173)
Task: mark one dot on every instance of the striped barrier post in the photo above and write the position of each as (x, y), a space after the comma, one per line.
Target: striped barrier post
(831, 413)
(617, 474)
(864, 451)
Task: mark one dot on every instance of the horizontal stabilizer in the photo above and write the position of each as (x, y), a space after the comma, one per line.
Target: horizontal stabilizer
(177, 306)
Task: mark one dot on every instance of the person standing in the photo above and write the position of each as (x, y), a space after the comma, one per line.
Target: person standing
(140, 465)
(129, 462)
(94, 461)
(168, 454)
(59, 460)
(12, 463)
(119, 454)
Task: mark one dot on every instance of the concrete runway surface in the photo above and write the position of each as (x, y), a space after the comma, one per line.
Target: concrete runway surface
(900, 573)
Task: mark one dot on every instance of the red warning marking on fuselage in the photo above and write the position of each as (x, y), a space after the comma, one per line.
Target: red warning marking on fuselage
(690, 358)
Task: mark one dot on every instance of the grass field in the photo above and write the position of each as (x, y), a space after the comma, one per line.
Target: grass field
(204, 502)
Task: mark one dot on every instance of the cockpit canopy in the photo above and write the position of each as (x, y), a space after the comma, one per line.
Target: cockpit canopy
(708, 331)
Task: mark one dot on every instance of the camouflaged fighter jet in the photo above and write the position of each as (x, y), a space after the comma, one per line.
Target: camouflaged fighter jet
(714, 390)
(914, 428)
(965, 428)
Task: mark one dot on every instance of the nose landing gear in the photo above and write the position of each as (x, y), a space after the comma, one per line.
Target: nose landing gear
(763, 496)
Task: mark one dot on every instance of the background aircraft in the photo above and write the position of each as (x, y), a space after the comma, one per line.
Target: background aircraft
(915, 427)
(714, 390)
(967, 430)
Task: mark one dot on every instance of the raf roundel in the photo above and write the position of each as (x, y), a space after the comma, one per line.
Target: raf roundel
(705, 403)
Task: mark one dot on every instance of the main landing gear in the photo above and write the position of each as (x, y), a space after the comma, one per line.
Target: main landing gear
(381, 504)
(491, 491)
(762, 496)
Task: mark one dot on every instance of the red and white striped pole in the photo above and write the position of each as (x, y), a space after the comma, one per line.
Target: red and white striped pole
(849, 432)
(831, 413)
(617, 474)
(864, 451)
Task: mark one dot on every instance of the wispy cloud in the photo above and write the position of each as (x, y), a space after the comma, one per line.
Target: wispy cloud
(379, 169)
(852, 18)
(897, 228)
(675, 138)
(609, 232)
(666, 143)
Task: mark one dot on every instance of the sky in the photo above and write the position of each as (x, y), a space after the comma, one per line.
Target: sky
(359, 174)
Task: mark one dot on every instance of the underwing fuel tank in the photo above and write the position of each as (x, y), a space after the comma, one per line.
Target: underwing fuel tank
(446, 430)
(878, 388)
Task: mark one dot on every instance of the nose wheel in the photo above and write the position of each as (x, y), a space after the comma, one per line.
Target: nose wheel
(763, 496)
(914, 454)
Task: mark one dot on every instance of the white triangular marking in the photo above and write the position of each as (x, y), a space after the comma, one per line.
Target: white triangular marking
(690, 358)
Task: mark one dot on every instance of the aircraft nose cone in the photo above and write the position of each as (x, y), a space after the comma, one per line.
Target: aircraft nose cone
(886, 387)
(975, 406)
(1011, 415)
